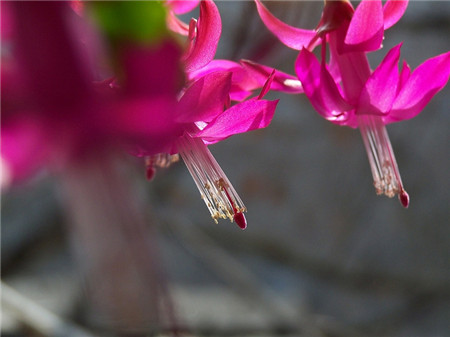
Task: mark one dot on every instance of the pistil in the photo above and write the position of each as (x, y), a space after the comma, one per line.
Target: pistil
(382, 161)
(215, 189)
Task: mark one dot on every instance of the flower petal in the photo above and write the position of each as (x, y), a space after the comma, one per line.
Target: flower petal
(242, 83)
(24, 148)
(176, 25)
(145, 126)
(404, 76)
(393, 10)
(292, 37)
(209, 28)
(424, 82)
(205, 98)
(242, 117)
(366, 27)
(380, 89)
(181, 7)
(281, 81)
(321, 89)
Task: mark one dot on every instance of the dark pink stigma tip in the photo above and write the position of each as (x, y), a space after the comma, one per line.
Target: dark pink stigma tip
(150, 173)
(404, 198)
(240, 220)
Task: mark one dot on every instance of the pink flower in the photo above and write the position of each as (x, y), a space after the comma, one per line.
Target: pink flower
(54, 114)
(346, 91)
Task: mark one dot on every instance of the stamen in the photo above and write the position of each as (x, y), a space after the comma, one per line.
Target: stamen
(215, 189)
(160, 160)
(382, 161)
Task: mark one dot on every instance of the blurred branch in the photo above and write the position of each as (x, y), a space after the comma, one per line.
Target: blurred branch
(37, 317)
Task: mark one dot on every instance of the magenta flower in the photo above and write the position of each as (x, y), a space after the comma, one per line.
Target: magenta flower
(347, 92)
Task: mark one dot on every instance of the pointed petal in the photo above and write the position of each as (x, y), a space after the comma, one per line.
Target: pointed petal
(424, 82)
(209, 28)
(292, 37)
(204, 99)
(281, 81)
(380, 89)
(242, 117)
(321, 88)
(404, 76)
(393, 10)
(360, 32)
(181, 7)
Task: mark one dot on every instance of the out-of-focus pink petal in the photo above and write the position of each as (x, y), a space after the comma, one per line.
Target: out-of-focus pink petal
(366, 27)
(424, 82)
(23, 149)
(145, 126)
(151, 69)
(205, 98)
(393, 10)
(59, 76)
(321, 88)
(181, 7)
(176, 25)
(6, 22)
(380, 89)
(281, 81)
(242, 117)
(292, 37)
(209, 28)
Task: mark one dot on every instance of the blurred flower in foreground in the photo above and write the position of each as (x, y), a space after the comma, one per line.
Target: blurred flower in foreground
(346, 91)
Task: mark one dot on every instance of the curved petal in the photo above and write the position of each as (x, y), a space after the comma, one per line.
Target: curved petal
(321, 88)
(181, 7)
(209, 28)
(424, 82)
(242, 117)
(393, 10)
(281, 81)
(366, 27)
(176, 25)
(380, 89)
(242, 83)
(292, 37)
(205, 99)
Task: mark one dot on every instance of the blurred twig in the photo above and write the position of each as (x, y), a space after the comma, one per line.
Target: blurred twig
(36, 317)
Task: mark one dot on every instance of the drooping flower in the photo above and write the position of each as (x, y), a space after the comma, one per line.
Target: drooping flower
(56, 106)
(345, 91)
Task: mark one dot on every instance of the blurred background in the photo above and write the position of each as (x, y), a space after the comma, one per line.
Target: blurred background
(322, 254)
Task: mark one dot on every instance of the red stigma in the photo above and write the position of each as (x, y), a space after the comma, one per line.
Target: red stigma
(404, 198)
(240, 220)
